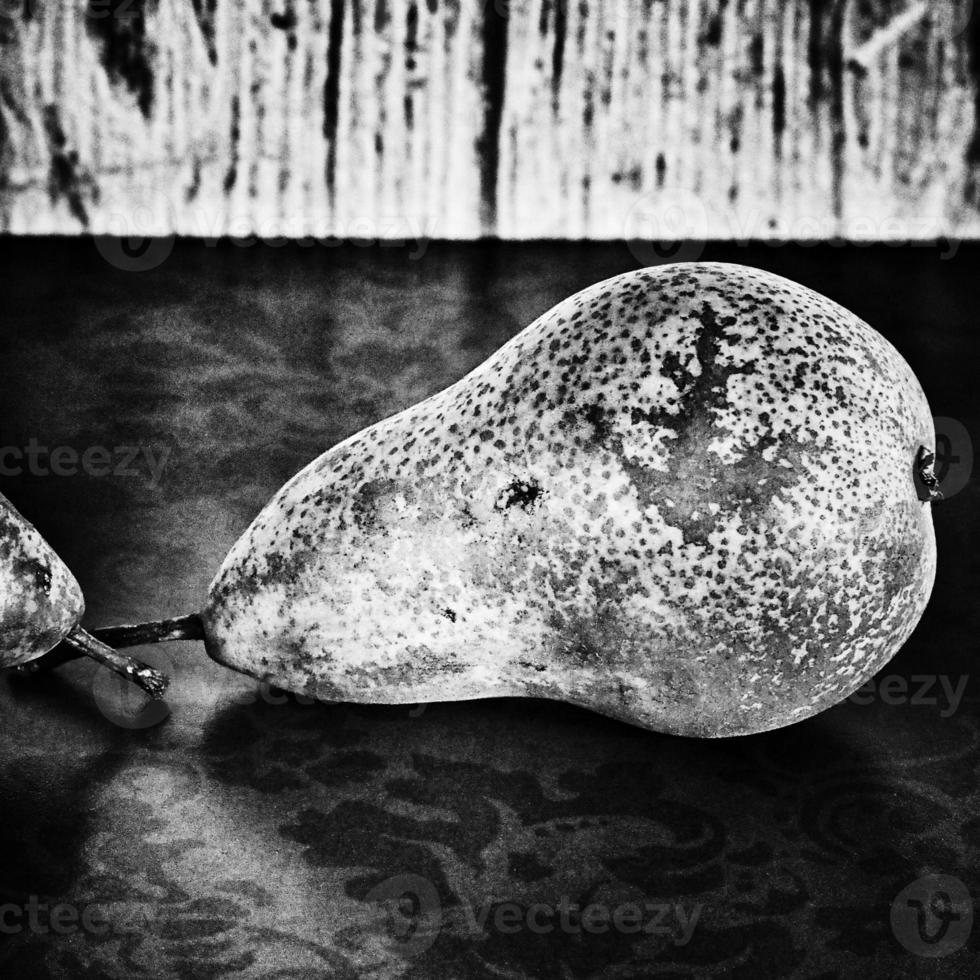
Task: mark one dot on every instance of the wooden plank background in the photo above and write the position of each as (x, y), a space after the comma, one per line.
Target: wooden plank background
(365, 119)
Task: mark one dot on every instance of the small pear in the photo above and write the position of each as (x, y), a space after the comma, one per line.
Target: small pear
(40, 601)
(685, 497)
(41, 604)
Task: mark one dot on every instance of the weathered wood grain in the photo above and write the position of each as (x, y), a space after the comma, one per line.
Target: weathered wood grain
(360, 119)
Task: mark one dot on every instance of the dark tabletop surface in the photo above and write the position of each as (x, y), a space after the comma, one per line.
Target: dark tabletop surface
(251, 834)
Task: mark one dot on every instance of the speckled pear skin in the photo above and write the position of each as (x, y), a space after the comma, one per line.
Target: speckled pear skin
(683, 497)
(40, 601)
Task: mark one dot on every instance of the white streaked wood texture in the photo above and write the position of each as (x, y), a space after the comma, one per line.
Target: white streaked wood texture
(365, 119)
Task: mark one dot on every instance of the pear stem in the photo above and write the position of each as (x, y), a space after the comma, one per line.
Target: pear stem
(925, 460)
(151, 681)
(188, 627)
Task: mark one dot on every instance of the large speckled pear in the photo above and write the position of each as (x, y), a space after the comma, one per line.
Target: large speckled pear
(683, 497)
(40, 601)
